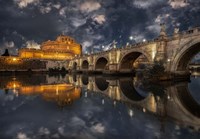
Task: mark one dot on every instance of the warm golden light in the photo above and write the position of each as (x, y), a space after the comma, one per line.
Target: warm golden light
(13, 85)
(63, 94)
(62, 48)
(152, 103)
(12, 60)
(153, 49)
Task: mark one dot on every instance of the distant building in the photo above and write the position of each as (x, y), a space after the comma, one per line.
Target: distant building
(52, 54)
(62, 48)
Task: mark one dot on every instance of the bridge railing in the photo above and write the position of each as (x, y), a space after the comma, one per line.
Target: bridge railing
(187, 33)
(140, 44)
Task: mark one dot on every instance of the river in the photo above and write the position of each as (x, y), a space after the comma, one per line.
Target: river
(95, 107)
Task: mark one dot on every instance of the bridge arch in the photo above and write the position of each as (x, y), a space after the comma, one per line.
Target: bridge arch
(101, 63)
(185, 55)
(85, 65)
(127, 60)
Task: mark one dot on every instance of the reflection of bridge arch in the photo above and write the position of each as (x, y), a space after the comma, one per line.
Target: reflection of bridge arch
(129, 91)
(74, 77)
(85, 65)
(85, 80)
(126, 62)
(186, 99)
(184, 56)
(101, 84)
(74, 66)
(101, 63)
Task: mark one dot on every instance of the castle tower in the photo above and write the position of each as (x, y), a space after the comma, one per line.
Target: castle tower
(63, 48)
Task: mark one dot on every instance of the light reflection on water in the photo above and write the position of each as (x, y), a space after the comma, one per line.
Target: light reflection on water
(42, 106)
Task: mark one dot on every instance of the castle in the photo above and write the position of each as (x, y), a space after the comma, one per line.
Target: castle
(51, 54)
(63, 48)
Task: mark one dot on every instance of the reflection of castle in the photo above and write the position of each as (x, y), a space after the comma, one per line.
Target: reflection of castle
(50, 55)
(63, 94)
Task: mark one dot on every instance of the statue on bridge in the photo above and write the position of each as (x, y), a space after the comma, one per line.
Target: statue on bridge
(163, 30)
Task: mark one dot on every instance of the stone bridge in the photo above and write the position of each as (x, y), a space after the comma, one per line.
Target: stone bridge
(174, 51)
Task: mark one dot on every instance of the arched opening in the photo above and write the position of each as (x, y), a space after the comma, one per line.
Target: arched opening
(101, 83)
(187, 100)
(101, 63)
(84, 79)
(194, 65)
(128, 89)
(74, 78)
(85, 65)
(187, 56)
(133, 60)
(74, 66)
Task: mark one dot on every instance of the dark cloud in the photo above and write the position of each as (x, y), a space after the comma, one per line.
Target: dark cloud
(92, 23)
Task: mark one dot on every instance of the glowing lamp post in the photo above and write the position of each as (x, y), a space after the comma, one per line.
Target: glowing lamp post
(14, 59)
(102, 48)
(131, 38)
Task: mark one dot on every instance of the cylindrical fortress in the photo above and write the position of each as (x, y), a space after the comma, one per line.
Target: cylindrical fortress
(63, 48)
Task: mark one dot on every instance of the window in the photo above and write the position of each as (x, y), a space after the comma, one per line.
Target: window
(190, 31)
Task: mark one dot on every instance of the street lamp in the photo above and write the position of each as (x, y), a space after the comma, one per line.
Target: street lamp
(131, 38)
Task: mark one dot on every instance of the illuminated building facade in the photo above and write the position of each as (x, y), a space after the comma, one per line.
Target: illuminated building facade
(62, 48)
(15, 63)
(52, 54)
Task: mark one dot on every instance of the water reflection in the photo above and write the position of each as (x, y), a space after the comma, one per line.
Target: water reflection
(128, 89)
(151, 106)
(194, 88)
(62, 93)
(101, 83)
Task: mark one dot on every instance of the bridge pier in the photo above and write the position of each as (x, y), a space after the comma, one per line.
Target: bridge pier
(111, 69)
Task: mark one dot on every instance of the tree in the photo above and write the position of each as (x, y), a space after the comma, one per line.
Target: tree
(158, 68)
(6, 53)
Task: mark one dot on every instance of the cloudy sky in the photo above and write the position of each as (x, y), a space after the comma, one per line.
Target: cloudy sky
(93, 23)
